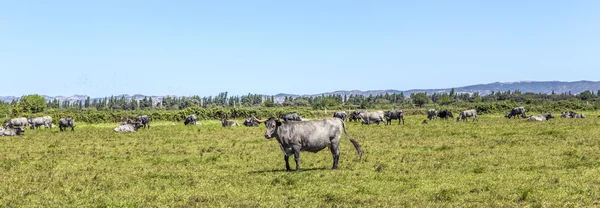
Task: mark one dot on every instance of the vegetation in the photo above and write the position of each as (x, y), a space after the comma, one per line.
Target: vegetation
(494, 162)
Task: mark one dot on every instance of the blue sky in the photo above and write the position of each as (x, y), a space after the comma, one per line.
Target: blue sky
(101, 48)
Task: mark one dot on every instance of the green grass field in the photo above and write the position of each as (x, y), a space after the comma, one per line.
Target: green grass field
(496, 162)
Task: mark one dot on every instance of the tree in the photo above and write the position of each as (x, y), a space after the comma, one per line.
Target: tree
(31, 104)
(420, 99)
(444, 100)
(585, 95)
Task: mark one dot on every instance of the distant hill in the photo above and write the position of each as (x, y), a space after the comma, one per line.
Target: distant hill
(483, 89)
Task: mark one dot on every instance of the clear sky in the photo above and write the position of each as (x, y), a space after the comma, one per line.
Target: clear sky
(112, 47)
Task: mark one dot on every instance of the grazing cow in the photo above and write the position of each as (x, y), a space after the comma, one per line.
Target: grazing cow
(340, 114)
(144, 120)
(312, 136)
(45, 121)
(252, 122)
(355, 116)
(191, 119)
(395, 114)
(11, 132)
(290, 117)
(543, 117)
(431, 114)
(466, 114)
(226, 123)
(63, 123)
(129, 127)
(516, 111)
(372, 117)
(445, 114)
(16, 122)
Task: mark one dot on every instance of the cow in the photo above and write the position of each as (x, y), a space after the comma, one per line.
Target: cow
(128, 127)
(16, 122)
(191, 119)
(340, 114)
(252, 122)
(431, 114)
(445, 114)
(290, 117)
(392, 115)
(311, 136)
(226, 123)
(571, 114)
(11, 131)
(63, 123)
(355, 116)
(372, 117)
(516, 111)
(144, 120)
(466, 114)
(45, 121)
(543, 117)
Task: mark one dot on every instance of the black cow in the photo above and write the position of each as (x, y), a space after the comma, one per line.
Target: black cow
(393, 115)
(144, 120)
(340, 114)
(445, 114)
(63, 123)
(290, 117)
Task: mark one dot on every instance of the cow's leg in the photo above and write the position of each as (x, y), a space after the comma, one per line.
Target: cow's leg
(297, 157)
(72, 128)
(287, 162)
(335, 152)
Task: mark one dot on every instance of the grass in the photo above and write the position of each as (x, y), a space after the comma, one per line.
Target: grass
(495, 162)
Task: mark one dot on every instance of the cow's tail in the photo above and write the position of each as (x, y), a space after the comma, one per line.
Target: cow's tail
(354, 142)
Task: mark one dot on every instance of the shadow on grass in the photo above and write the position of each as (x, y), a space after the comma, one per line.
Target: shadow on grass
(283, 170)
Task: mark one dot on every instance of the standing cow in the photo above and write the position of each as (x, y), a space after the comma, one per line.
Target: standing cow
(191, 119)
(63, 123)
(312, 136)
(392, 115)
(431, 114)
(355, 116)
(515, 112)
(16, 122)
(372, 117)
(45, 121)
(445, 114)
(144, 120)
(466, 114)
(340, 114)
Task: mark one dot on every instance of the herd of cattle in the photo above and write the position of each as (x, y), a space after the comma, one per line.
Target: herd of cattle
(293, 132)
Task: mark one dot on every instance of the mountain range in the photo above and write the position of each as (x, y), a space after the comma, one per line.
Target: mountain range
(483, 89)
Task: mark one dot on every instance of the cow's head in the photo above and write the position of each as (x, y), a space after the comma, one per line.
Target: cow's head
(272, 125)
(19, 130)
(137, 125)
(549, 116)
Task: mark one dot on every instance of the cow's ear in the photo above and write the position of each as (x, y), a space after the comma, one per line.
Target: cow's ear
(278, 123)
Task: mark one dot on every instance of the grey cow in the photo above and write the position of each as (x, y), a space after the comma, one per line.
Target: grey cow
(543, 117)
(128, 127)
(144, 120)
(372, 117)
(11, 132)
(466, 114)
(45, 121)
(63, 123)
(191, 119)
(226, 123)
(571, 114)
(431, 114)
(341, 115)
(17, 122)
(515, 112)
(311, 136)
(392, 115)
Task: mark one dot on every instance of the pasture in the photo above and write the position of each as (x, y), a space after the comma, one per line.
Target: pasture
(496, 162)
